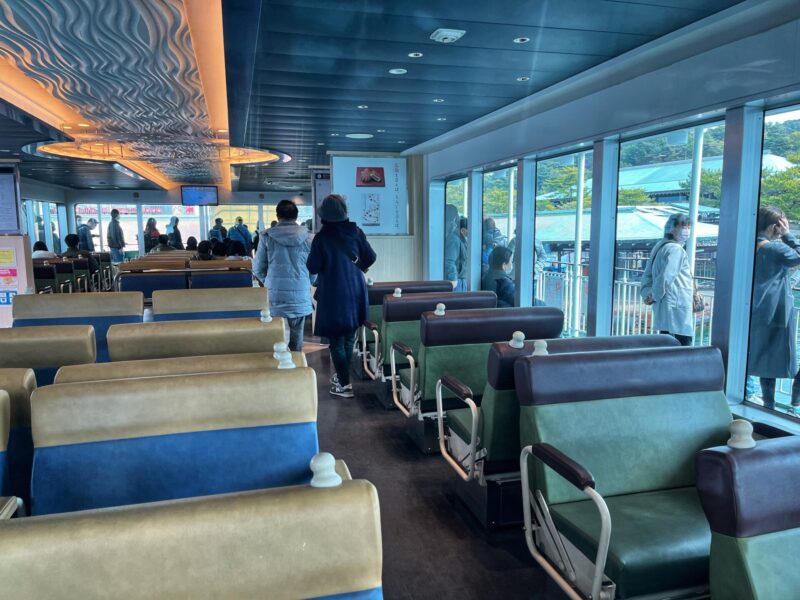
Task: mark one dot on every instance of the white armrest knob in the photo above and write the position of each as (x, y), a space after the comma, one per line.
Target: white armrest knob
(277, 348)
(323, 465)
(517, 340)
(397, 293)
(370, 281)
(265, 316)
(741, 434)
(439, 312)
(540, 348)
(285, 360)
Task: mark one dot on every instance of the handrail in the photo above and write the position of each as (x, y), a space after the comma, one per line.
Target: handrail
(463, 393)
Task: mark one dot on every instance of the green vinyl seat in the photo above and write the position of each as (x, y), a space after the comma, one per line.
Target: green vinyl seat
(750, 500)
(623, 426)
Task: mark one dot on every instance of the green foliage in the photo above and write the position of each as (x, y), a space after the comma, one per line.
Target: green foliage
(783, 191)
(632, 197)
(710, 187)
(663, 148)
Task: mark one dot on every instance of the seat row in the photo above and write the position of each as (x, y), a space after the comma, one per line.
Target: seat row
(627, 430)
(67, 275)
(168, 272)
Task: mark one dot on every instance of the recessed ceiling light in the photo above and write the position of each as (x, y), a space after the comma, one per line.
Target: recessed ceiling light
(362, 106)
(522, 40)
(441, 118)
(359, 136)
(523, 78)
(438, 100)
(5, 150)
(401, 141)
(320, 143)
(415, 55)
(67, 127)
(381, 130)
(334, 135)
(83, 125)
(398, 71)
(222, 131)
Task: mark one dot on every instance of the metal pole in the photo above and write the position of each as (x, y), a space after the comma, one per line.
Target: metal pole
(512, 186)
(694, 194)
(576, 267)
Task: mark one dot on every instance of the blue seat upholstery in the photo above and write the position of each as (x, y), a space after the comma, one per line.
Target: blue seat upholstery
(226, 303)
(147, 283)
(228, 279)
(100, 310)
(111, 443)
(19, 385)
(5, 424)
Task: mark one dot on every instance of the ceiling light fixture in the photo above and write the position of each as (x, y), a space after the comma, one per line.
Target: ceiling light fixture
(415, 55)
(334, 135)
(84, 125)
(447, 36)
(381, 130)
(398, 71)
(222, 131)
(362, 106)
(438, 100)
(522, 40)
(523, 78)
(359, 136)
(401, 141)
(441, 118)
(320, 143)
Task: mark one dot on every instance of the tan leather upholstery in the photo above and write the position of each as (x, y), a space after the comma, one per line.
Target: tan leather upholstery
(93, 304)
(293, 542)
(19, 384)
(5, 419)
(127, 408)
(47, 346)
(161, 263)
(221, 264)
(206, 300)
(185, 365)
(169, 339)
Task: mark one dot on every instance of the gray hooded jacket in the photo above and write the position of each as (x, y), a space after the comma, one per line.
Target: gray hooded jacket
(280, 263)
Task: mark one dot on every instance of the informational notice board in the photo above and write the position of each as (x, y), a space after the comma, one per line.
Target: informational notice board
(9, 205)
(321, 188)
(376, 192)
(16, 273)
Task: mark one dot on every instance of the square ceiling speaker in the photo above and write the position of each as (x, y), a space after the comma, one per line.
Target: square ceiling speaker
(447, 36)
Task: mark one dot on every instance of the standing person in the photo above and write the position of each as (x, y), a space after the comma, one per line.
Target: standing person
(85, 235)
(455, 250)
(174, 234)
(240, 233)
(667, 283)
(280, 264)
(151, 234)
(217, 232)
(773, 315)
(115, 238)
(497, 278)
(340, 255)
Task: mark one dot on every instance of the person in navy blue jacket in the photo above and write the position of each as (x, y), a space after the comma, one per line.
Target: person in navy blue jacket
(497, 278)
(340, 255)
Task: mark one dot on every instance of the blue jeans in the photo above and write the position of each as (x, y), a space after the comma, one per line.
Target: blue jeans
(296, 325)
(117, 256)
(341, 349)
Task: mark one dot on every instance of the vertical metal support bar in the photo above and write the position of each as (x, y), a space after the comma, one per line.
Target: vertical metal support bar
(744, 130)
(694, 195)
(525, 231)
(435, 214)
(140, 225)
(577, 268)
(48, 229)
(474, 239)
(605, 175)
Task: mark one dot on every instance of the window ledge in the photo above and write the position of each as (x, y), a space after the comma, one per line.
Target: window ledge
(755, 413)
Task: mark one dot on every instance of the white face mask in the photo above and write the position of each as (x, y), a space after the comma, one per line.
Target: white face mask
(508, 269)
(682, 235)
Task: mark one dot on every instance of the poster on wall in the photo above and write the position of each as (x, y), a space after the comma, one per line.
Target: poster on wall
(376, 192)
(9, 207)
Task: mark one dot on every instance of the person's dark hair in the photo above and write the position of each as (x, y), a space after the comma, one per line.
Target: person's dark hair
(72, 240)
(219, 249)
(218, 221)
(204, 250)
(676, 220)
(769, 216)
(114, 212)
(151, 224)
(499, 256)
(227, 242)
(286, 210)
(191, 243)
(163, 239)
(236, 248)
(273, 224)
(39, 246)
(463, 223)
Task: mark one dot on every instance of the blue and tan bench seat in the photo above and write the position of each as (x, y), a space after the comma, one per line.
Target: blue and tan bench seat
(185, 365)
(19, 385)
(100, 310)
(47, 348)
(169, 339)
(147, 276)
(223, 274)
(623, 429)
(125, 441)
(284, 543)
(225, 303)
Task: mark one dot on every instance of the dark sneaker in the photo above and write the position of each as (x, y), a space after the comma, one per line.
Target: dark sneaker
(345, 391)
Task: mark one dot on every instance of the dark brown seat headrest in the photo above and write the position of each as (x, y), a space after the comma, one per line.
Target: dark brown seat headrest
(489, 325)
(411, 307)
(752, 491)
(581, 376)
(379, 289)
(502, 356)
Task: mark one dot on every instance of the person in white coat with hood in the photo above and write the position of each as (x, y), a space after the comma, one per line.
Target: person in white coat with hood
(667, 283)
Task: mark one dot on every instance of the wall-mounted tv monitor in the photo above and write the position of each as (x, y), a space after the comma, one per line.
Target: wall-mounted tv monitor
(199, 195)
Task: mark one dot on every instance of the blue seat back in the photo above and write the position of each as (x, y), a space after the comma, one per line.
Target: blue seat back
(147, 283)
(5, 425)
(111, 443)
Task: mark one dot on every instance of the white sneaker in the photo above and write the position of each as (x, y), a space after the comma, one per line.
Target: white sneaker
(345, 391)
(335, 379)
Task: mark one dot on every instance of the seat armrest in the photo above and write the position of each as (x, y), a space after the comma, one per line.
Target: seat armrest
(370, 325)
(562, 464)
(768, 431)
(461, 390)
(402, 348)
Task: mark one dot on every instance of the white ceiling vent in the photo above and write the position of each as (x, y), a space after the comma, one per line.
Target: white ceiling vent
(447, 36)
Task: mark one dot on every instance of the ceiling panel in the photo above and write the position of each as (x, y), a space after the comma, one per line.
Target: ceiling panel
(299, 69)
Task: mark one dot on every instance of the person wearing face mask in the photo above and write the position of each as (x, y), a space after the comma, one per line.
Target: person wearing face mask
(497, 279)
(773, 315)
(667, 283)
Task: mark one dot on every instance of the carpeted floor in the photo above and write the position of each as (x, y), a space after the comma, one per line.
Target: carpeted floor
(431, 548)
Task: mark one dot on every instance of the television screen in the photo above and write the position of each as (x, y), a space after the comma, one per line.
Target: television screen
(199, 195)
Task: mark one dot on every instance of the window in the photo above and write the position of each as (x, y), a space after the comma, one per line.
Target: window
(188, 222)
(561, 236)
(128, 220)
(230, 212)
(45, 221)
(456, 252)
(498, 234)
(772, 358)
(673, 173)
